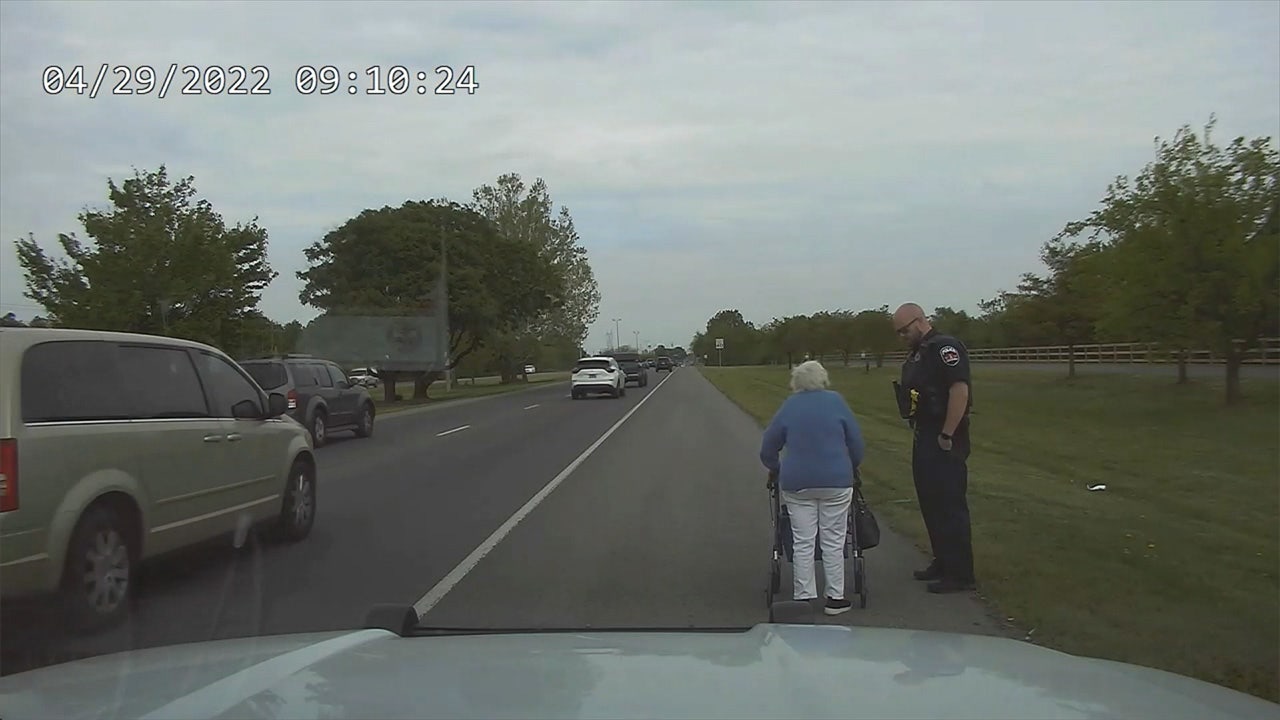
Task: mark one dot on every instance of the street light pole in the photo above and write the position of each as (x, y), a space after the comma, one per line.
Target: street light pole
(442, 319)
(637, 334)
(617, 333)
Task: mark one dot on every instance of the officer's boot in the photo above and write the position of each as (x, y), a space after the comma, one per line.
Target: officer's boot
(931, 573)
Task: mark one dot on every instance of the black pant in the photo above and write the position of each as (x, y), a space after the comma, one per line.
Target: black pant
(942, 479)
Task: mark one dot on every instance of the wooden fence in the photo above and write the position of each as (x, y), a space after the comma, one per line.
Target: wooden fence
(1267, 353)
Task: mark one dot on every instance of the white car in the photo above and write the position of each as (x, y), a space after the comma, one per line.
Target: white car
(597, 375)
(364, 377)
(529, 369)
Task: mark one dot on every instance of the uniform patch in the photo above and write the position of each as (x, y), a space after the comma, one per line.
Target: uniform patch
(950, 355)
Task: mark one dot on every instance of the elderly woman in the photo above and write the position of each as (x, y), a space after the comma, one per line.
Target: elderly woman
(824, 446)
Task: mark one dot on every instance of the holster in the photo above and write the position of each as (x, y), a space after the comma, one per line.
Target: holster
(903, 396)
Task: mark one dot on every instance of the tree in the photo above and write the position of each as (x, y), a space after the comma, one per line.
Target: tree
(388, 261)
(955, 322)
(741, 342)
(158, 261)
(875, 329)
(845, 334)
(824, 334)
(1194, 246)
(525, 214)
(260, 335)
(788, 337)
(1065, 305)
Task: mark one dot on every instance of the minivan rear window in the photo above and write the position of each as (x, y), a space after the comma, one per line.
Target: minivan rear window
(269, 376)
(72, 380)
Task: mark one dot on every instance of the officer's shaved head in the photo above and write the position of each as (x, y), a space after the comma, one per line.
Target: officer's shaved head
(910, 322)
(908, 311)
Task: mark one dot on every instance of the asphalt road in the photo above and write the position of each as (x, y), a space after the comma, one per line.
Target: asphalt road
(526, 509)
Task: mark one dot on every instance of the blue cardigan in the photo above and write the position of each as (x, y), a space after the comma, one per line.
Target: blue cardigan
(824, 444)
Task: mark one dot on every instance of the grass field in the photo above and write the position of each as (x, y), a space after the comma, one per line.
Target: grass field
(461, 389)
(1173, 566)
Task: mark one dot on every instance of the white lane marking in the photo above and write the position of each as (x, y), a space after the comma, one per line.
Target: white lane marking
(446, 432)
(447, 583)
(530, 407)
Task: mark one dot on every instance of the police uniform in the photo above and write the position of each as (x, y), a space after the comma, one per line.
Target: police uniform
(941, 476)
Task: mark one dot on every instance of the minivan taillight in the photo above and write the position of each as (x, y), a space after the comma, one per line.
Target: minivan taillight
(293, 399)
(8, 475)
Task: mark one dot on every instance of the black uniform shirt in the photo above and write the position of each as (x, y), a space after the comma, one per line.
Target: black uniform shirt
(938, 362)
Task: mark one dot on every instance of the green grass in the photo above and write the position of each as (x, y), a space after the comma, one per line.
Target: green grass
(466, 388)
(1173, 566)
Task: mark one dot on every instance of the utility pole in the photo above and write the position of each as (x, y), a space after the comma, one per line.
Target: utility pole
(608, 334)
(442, 313)
(637, 345)
(617, 333)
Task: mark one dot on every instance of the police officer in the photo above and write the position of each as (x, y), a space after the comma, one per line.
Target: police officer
(934, 395)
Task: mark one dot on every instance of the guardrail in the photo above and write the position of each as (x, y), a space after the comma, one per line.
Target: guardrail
(1267, 353)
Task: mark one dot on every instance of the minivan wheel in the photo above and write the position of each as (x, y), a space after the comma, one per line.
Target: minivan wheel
(318, 429)
(364, 428)
(298, 508)
(98, 578)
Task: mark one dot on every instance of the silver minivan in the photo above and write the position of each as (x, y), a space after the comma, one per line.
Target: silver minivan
(116, 447)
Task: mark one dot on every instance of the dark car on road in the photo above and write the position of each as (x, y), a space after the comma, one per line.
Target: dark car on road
(664, 363)
(321, 396)
(632, 368)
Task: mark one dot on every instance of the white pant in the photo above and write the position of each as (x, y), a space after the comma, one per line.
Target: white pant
(821, 513)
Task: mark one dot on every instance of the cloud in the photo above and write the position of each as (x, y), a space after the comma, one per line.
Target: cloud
(777, 158)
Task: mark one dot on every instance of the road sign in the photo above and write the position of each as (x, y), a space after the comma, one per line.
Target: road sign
(719, 343)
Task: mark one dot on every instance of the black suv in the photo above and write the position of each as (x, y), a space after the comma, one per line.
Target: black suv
(320, 394)
(664, 363)
(631, 367)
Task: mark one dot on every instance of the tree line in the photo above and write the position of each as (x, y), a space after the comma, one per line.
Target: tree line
(1184, 255)
(161, 261)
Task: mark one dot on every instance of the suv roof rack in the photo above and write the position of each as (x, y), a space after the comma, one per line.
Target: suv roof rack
(285, 356)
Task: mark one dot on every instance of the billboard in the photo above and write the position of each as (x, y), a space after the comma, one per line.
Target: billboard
(410, 343)
(408, 340)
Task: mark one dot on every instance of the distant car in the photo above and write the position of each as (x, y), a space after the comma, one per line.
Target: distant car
(320, 396)
(117, 447)
(364, 377)
(529, 370)
(597, 376)
(632, 368)
(664, 363)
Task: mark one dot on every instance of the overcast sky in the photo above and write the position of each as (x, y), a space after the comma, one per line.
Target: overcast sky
(776, 158)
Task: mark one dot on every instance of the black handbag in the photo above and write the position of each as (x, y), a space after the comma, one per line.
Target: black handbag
(865, 526)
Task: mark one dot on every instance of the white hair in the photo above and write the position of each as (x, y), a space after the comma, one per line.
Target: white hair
(809, 375)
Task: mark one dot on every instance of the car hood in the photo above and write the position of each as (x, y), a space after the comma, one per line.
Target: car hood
(769, 671)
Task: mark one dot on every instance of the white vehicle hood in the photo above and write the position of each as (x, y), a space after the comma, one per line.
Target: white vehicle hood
(770, 671)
